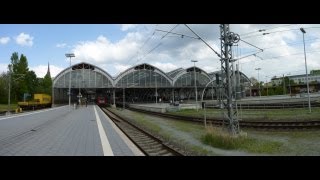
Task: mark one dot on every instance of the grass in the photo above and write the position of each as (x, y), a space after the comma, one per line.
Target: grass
(140, 119)
(249, 114)
(4, 107)
(185, 126)
(194, 138)
(218, 138)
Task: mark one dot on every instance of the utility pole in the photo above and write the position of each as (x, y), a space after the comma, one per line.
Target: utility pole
(8, 112)
(195, 82)
(305, 61)
(227, 40)
(289, 83)
(258, 69)
(70, 55)
(284, 85)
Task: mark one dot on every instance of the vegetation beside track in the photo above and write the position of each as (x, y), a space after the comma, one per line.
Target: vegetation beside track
(219, 138)
(295, 114)
(4, 107)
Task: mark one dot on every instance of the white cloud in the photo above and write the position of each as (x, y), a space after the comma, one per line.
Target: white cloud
(61, 45)
(4, 40)
(3, 68)
(24, 39)
(41, 70)
(103, 51)
(126, 27)
(165, 67)
(277, 58)
(121, 67)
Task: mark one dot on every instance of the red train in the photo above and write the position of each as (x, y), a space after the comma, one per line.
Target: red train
(101, 101)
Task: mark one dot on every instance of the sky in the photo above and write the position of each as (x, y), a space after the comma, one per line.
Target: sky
(275, 48)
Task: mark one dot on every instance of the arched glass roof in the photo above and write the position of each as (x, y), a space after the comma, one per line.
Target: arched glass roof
(143, 76)
(186, 78)
(173, 73)
(86, 75)
(83, 75)
(243, 77)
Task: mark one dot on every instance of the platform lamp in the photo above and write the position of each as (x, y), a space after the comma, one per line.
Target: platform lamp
(70, 55)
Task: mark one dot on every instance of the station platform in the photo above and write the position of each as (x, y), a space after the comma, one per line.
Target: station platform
(63, 131)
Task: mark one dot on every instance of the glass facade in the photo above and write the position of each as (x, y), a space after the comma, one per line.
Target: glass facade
(83, 78)
(141, 83)
(143, 79)
(187, 80)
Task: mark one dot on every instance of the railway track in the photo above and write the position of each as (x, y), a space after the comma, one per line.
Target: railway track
(147, 143)
(248, 124)
(281, 105)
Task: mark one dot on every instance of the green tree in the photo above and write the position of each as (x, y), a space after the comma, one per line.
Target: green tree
(32, 82)
(47, 84)
(4, 88)
(19, 73)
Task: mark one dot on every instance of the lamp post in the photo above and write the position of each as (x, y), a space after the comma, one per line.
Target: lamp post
(284, 85)
(195, 81)
(267, 84)
(258, 69)
(305, 61)
(9, 89)
(155, 75)
(8, 112)
(70, 55)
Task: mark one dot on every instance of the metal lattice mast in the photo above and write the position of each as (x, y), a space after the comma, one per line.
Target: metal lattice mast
(227, 40)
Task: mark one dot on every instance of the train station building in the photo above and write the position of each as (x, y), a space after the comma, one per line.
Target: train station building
(141, 83)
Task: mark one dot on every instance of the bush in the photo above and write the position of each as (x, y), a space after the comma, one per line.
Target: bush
(222, 139)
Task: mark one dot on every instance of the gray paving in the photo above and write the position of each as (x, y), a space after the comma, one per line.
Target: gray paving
(58, 132)
(116, 143)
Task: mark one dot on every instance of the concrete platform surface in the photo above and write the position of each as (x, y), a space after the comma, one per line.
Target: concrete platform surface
(61, 131)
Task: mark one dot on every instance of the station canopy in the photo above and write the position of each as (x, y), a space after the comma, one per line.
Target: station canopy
(143, 76)
(83, 75)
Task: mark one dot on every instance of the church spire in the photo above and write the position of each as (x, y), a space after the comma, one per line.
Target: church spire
(48, 72)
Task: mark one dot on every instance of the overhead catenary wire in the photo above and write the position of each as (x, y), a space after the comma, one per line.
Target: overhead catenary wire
(203, 41)
(266, 29)
(139, 50)
(277, 57)
(169, 31)
(142, 46)
(159, 44)
(280, 31)
(182, 35)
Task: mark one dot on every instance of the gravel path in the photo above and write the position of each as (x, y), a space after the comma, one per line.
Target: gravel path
(296, 143)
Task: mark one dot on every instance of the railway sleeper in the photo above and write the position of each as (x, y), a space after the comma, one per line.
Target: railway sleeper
(164, 151)
(148, 141)
(154, 150)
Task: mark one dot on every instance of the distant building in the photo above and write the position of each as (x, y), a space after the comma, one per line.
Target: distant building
(298, 79)
(140, 83)
(300, 83)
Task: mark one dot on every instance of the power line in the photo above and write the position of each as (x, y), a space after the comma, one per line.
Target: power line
(277, 57)
(169, 31)
(279, 31)
(157, 44)
(265, 29)
(203, 41)
(142, 46)
(182, 35)
(293, 43)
